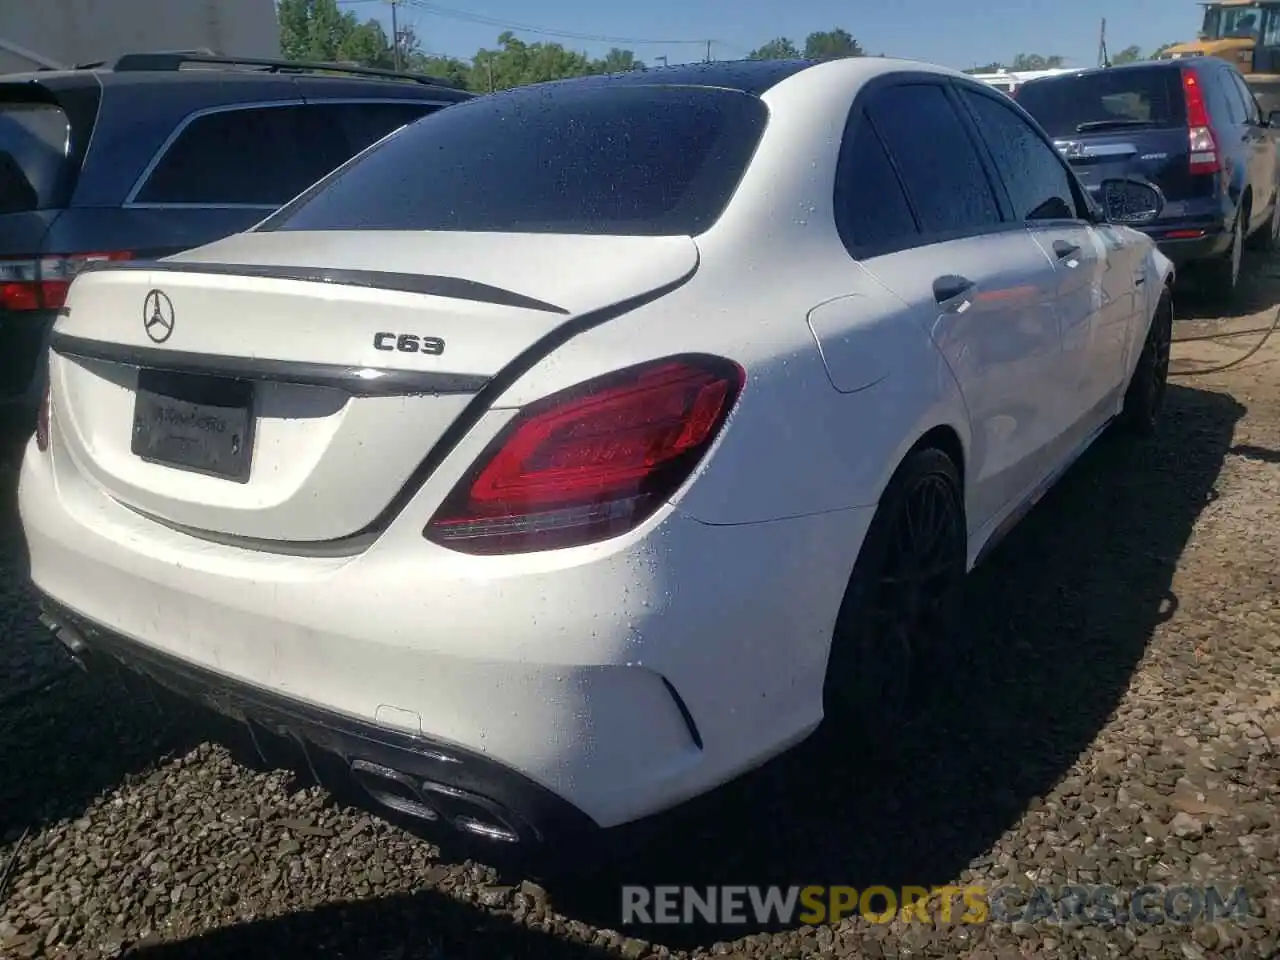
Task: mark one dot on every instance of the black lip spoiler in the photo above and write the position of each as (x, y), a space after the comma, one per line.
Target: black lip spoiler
(455, 288)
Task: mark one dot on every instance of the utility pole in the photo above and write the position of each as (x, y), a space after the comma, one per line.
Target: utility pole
(708, 51)
(1103, 59)
(395, 35)
(488, 62)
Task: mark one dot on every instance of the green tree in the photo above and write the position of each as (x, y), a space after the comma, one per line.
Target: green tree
(515, 63)
(617, 61)
(313, 29)
(1130, 54)
(823, 44)
(992, 67)
(1160, 49)
(1035, 61)
(780, 48)
(367, 44)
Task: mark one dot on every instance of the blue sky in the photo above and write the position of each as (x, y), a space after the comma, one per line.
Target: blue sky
(952, 32)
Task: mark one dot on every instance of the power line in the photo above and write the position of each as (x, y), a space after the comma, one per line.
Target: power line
(453, 14)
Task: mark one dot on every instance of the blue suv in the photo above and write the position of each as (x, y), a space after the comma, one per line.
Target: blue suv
(158, 153)
(1190, 127)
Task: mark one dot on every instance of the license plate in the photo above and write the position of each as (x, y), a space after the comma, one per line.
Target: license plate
(196, 423)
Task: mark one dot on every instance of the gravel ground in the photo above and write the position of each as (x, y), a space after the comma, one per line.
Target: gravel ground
(1118, 722)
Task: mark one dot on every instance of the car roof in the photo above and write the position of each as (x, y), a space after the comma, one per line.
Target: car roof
(233, 81)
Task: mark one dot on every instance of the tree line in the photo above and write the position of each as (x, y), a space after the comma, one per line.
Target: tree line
(317, 30)
(1037, 61)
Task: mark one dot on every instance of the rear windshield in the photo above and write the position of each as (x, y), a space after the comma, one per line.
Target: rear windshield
(582, 158)
(1106, 100)
(33, 156)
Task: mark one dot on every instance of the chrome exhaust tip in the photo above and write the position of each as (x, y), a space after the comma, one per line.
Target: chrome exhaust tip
(72, 640)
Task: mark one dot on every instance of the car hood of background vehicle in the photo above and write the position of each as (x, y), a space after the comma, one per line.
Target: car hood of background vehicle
(575, 272)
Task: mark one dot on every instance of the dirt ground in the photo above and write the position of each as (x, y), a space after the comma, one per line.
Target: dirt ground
(1118, 723)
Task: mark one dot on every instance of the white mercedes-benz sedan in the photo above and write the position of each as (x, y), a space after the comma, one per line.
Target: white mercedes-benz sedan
(578, 448)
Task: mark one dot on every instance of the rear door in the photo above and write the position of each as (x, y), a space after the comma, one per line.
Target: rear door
(1129, 121)
(976, 281)
(1260, 142)
(1094, 302)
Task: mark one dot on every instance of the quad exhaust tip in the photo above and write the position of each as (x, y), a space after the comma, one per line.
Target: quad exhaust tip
(413, 797)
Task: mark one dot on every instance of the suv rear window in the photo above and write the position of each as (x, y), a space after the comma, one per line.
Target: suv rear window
(1107, 100)
(265, 156)
(33, 156)
(643, 160)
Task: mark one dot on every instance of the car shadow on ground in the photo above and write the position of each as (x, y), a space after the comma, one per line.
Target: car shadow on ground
(1256, 292)
(424, 925)
(1058, 619)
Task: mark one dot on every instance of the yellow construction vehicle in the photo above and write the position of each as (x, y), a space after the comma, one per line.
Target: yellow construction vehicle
(1245, 33)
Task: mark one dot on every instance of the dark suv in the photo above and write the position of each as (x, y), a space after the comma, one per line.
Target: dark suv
(158, 153)
(1192, 128)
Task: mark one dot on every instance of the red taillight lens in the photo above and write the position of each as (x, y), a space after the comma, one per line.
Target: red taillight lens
(1202, 142)
(591, 462)
(41, 283)
(42, 420)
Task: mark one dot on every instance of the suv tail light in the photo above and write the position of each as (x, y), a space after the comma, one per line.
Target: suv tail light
(591, 462)
(1203, 144)
(41, 283)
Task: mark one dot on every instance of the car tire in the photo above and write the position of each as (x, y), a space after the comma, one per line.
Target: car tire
(1267, 240)
(1144, 397)
(1222, 273)
(893, 633)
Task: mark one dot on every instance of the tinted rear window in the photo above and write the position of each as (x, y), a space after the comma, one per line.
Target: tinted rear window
(265, 156)
(33, 156)
(1107, 100)
(603, 159)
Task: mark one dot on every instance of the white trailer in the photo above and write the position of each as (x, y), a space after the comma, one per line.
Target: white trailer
(1007, 81)
(62, 33)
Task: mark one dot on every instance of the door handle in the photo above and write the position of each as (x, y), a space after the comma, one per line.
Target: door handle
(1064, 248)
(950, 286)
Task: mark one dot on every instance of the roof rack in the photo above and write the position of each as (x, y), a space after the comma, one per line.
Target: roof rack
(174, 60)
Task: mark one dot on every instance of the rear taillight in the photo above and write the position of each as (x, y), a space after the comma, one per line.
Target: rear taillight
(591, 462)
(42, 420)
(41, 283)
(1202, 142)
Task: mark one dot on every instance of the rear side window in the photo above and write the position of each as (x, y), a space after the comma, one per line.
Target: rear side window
(603, 159)
(936, 157)
(1226, 105)
(33, 156)
(1252, 114)
(1106, 100)
(1038, 185)
(266, 156)
(362, 124)
(872, 212)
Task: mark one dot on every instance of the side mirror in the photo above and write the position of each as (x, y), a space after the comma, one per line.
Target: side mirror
(1273, 118)
(1130, 201)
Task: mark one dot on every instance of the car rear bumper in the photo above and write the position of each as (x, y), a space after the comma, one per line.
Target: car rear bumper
(414, 775)
(598, 685)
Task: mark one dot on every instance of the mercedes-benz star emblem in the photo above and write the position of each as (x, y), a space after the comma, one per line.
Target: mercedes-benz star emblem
(157, 316)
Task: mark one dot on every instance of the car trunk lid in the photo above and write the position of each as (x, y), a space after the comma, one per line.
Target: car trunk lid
(285, 386)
